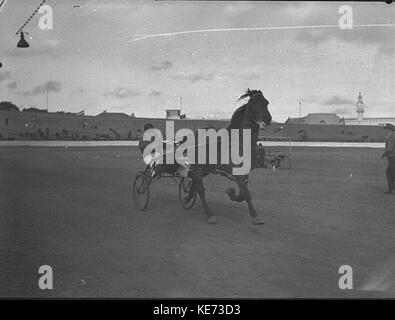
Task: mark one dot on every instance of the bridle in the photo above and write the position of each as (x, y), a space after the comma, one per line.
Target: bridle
(258, 122)
(258, 93)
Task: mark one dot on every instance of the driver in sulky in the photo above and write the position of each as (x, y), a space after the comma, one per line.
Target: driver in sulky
(260, 156)
(159, 167)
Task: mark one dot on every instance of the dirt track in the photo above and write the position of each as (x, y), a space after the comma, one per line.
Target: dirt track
(72, 208)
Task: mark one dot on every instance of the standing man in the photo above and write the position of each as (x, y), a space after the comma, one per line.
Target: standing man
(390, 154)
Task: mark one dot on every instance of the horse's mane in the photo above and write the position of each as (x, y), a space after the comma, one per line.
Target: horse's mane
(237, 117)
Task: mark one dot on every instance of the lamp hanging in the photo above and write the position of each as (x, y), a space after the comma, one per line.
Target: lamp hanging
(22, 43)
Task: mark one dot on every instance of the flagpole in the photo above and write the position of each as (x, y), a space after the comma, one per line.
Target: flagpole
(300, 108)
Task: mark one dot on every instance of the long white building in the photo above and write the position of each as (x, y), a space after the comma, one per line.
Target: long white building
(360, 120)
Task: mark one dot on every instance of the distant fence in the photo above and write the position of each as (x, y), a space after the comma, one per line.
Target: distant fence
(30, 143)
(323, 144)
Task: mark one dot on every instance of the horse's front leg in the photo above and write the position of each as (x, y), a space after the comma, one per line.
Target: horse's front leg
(245, 194)
(198, 184)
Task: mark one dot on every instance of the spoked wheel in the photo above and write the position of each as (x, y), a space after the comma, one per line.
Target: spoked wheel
(184, 189)
(285, 163)
(141, 191)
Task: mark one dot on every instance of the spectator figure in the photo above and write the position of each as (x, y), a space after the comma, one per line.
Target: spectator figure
(389, 153)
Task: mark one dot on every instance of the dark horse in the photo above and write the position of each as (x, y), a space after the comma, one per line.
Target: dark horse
(253, 115)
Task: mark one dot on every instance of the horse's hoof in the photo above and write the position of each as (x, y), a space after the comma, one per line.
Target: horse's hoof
(211, 220)
(258, 221)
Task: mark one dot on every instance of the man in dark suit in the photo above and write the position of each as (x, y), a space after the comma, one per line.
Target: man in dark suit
(389, 153)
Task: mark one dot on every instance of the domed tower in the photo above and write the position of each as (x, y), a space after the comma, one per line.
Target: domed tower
(360, 107)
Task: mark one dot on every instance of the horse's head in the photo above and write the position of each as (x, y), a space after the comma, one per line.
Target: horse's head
(257, 112)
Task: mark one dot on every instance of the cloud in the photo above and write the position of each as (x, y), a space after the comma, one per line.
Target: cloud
(33, 52)
(162, 66)
(5, 75)
(237, 8)
(381, 37)
(245, 75)
(195, 77)
(301, 11)
(82, 90)
(12, 85)
(251, 76)
(311, 98)
(338, 100)
(155, 94)
(41, 47)
(343, 110)
(311, 13)
(49, 86)
(79, 90)
(122, 93)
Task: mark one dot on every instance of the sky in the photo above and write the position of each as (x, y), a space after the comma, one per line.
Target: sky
(94, 58)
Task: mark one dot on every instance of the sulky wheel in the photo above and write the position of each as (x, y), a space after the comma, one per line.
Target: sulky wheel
(184, 189)
(141, 191)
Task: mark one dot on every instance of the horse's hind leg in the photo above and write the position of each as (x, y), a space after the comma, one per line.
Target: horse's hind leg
(255, 218)
(245, 192)
(198, 182)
